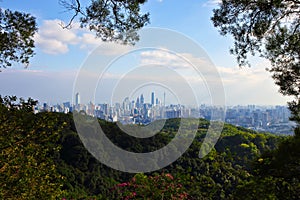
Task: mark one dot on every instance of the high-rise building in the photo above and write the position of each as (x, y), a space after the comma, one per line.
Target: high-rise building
(105, 108)
(152, 99)
(173, 114)
(142, 99)
(137, 103)
(126, 104)
(67, 104)
(45, 107)
(77, 99)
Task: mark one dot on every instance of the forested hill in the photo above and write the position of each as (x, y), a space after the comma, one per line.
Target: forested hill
(42, 157)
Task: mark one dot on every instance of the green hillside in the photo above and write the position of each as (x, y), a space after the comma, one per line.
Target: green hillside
(42, 157)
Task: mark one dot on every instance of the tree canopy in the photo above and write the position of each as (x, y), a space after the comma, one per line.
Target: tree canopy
(16, 37)
(271, 29)
(111, 20)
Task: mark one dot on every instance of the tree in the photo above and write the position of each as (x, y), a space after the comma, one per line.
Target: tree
(16, 37)
(160, 186)
(28, 145)
(271, 29)
(111, 20)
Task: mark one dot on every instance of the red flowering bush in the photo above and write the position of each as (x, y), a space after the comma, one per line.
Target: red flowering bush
(163, 186)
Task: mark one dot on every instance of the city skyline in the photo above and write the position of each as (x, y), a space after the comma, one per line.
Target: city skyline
(77, 100)
(274, 119)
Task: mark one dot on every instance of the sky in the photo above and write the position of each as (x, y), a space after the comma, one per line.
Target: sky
(187, 59)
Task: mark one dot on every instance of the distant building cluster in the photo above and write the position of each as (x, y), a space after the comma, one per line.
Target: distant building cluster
(136, 111)
(260, 118)
(274, 119)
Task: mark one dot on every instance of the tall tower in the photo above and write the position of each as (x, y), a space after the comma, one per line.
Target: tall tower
(142, 99)
(152, 99)
(77, 99)
(137, 104)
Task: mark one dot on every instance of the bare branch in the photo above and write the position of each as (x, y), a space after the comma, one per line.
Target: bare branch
(72, 6)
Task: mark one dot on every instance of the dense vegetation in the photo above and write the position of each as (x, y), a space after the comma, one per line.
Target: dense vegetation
(42, 157)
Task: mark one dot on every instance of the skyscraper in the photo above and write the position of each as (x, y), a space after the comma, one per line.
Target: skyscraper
(77, 99)
(157, 101)
(137, 103)
(142, 99)
(152, 99)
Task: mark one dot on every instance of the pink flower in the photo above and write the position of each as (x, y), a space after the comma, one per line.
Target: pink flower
(169, 176)
(122, 184)
(183, 196)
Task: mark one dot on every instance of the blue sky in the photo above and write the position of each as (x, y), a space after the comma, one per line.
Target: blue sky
(61, 53)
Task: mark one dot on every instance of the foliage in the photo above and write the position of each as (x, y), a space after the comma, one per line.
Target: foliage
(268, 188)
(283, 162)
(111, 20)
(42, 157)
(254, 23)
(16, 37)
(271, 29)
(276, 173)
(28, 148)
(13, 103)
(161, 186)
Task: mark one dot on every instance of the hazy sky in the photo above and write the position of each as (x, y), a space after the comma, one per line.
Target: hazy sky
(61, 54)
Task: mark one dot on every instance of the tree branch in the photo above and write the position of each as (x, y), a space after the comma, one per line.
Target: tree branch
(75, 6)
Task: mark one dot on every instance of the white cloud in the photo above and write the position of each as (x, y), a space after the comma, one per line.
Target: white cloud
(212, 3)
(52, 38)
(89, 41)
(51, 46)
(250, 85)
(110, 48)
(173, 60)
(163, 58)
(197, 69)
(236, 74)
(54, 29)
